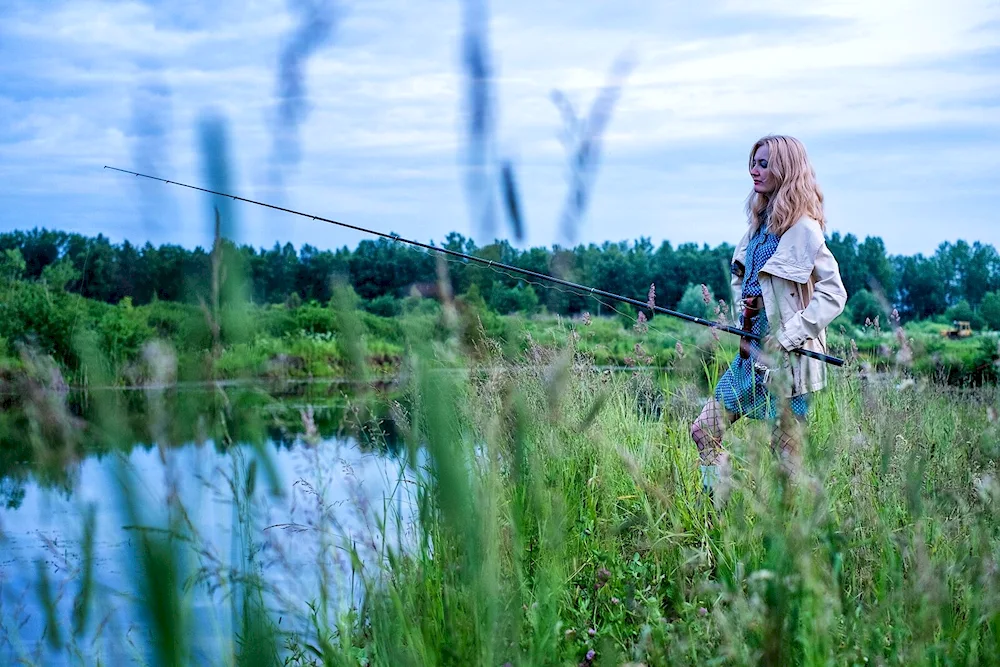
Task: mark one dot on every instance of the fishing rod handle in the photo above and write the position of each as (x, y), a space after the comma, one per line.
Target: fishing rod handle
(836, 361)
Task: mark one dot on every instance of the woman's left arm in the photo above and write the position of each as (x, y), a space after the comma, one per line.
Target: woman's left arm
(828, 301)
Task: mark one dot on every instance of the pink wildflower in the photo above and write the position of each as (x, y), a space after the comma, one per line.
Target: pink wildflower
(642, 354)
(586, 319)
(640, 325)
(651, 298)
(679, 349)
(705, 294)
(905, 355)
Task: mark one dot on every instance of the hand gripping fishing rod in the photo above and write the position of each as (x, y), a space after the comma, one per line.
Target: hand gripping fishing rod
(506, 267)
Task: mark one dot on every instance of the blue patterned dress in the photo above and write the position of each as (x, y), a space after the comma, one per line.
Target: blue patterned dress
(741, 389)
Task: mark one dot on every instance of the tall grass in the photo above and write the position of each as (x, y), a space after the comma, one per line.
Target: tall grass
(561, 523)
(550, 512)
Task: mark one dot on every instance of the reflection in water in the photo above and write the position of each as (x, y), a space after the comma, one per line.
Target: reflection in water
(324, 493)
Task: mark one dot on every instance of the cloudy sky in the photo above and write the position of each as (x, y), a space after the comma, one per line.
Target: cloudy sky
(356, 110)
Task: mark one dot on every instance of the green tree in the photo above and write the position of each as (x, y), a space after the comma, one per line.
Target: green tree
(521, 298)
(59, 274)
(864, 306)
(877, 267)
(845, 250)
(693, 302)
(989, 309)
(12, 264)
(963, 311)
(922, 288)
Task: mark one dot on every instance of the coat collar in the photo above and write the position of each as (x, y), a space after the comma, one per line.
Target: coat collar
(796, 253)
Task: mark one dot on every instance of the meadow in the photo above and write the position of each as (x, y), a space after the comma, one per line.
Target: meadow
(541, 502)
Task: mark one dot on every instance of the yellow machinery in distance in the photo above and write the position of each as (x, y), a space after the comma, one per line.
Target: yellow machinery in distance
(961, 330)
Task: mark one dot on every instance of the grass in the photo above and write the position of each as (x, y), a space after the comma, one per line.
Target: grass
(560, 519)
(550, 510)
(579, 534)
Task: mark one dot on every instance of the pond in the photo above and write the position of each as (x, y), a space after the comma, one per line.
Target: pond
(257, 497)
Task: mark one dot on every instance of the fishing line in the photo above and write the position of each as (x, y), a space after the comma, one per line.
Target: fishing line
(583, 288)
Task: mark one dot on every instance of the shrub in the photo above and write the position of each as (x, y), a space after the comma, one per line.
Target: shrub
(122, 332)
(49, 319)
(314, 319)
(963, 311)
(989, 309)
(12, 264)
(520, 298)
(864, 306)
(693, 302)
(383, 306)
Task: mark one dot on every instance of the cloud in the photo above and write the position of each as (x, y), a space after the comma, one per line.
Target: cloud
(897, 102)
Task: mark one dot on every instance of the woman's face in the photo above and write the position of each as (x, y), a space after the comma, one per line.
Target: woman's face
(763, 182)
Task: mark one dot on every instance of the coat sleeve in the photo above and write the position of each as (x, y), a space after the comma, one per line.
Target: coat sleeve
(828, 301)
(736, 272)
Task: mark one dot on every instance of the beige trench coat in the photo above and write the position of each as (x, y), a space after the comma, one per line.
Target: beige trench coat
(802, 290)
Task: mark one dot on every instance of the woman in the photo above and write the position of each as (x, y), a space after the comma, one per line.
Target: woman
(788, 287)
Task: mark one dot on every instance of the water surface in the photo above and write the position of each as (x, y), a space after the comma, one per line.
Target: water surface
(287, 503)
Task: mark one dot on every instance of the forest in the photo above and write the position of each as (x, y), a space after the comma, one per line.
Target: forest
(960, 281)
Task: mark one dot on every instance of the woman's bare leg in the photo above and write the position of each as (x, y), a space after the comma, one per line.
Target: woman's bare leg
(786, 440)
(708, 429)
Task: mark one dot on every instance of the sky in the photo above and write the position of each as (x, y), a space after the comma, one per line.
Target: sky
(358, 111)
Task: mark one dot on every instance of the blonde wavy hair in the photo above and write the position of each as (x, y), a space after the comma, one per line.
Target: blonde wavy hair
(796, 192)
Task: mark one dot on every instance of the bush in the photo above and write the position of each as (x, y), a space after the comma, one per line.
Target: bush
(12, 264)
(865, 306)
(182, 324)
(313, 319)
(32, 314)
(60, 274)
(520, 298)
(963, 311)
(381, 328)
(276, 321)
(383, 306)
(989, 309)
(122, 332)
(693, 302)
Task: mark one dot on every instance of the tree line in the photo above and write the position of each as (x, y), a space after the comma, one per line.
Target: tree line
(960, 280)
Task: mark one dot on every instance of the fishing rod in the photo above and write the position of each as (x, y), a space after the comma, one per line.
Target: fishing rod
(499, 265)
